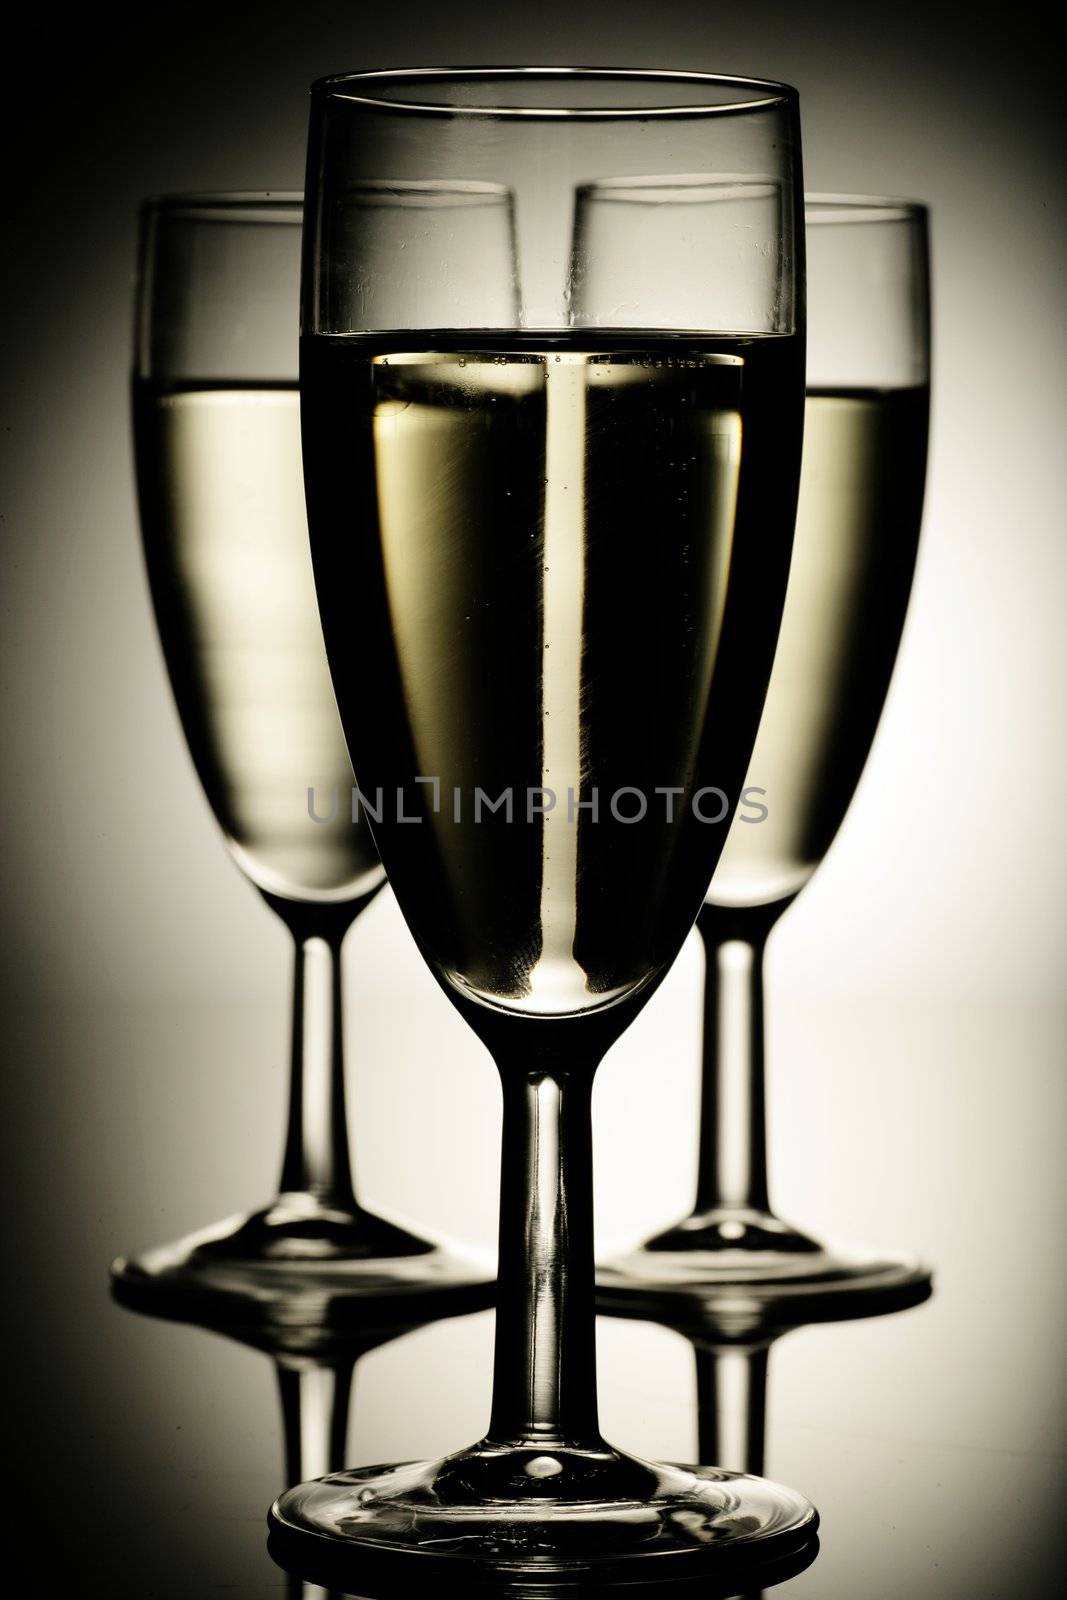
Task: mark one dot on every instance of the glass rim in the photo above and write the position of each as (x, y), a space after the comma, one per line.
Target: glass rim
(427, 192)
(683, 188)
(694, 187)
(829, 208)
(228, 205)
(764, 93)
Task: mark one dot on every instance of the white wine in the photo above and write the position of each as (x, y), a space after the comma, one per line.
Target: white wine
(861, 493)
(225, 532)
(574, 551)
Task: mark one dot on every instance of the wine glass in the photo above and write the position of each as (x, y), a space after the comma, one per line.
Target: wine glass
(217, 435)
(550, 519)
(860, 508)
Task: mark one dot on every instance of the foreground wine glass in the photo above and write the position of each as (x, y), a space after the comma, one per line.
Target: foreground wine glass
(550, 512)
(217, 433)
(854, 552)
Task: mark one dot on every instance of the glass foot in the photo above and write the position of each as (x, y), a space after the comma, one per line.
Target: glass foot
(497, 1514)
(743, 1262)
(300, 1261)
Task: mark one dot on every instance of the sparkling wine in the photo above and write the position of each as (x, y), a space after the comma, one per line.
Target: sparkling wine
(574, 550)
(861, 493)
(225, 532)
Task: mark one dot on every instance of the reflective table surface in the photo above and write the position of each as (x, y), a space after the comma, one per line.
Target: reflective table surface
(930, 1439)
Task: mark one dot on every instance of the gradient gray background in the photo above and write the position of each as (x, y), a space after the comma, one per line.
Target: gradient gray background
(917, 987)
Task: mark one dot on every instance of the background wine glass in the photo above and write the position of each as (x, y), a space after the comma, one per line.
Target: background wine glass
(563, 506)
(854, 552)
(217, 434)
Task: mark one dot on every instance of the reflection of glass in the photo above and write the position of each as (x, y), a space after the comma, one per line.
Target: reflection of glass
(715, 1586)
(566, 516)
(731, 1353)
(217, 431)
(857, 528)
(316, 1368)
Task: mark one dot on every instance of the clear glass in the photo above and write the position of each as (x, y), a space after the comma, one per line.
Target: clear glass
(217, 436)
(558, 503)
(857, 531)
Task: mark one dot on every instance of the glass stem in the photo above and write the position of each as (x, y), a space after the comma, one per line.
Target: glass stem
(316, 1160)
(544, 1382)
(732, 1173)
